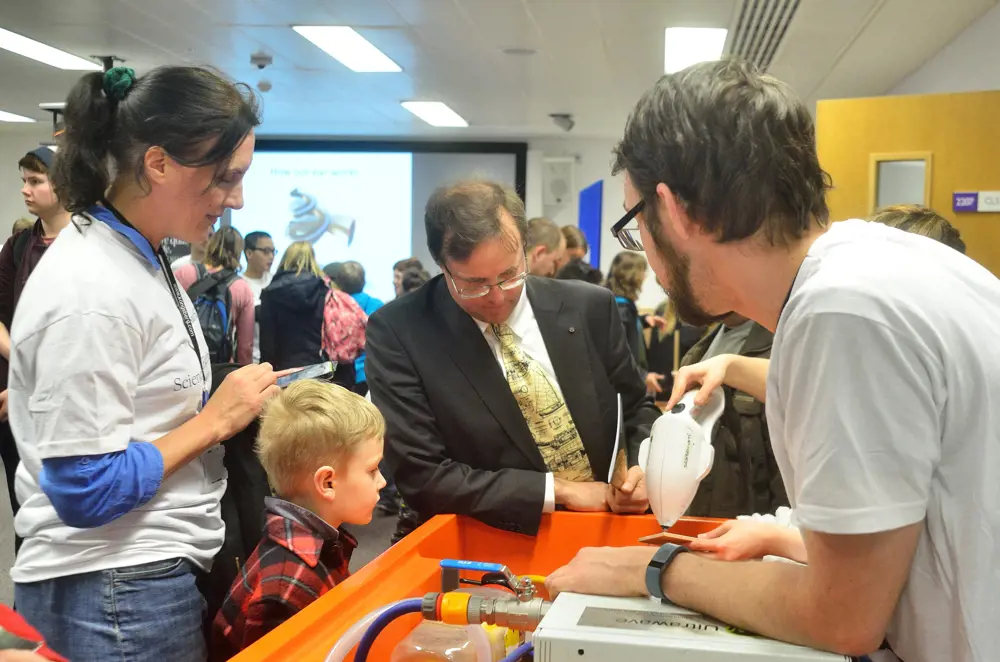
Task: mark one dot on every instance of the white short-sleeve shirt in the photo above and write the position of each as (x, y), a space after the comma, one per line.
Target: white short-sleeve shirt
(101, 357)
(257, 285)
(883, 403)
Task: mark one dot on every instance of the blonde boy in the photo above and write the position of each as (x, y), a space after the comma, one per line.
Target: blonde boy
(321, 446)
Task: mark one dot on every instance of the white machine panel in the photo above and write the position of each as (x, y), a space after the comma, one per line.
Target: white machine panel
(579, 628)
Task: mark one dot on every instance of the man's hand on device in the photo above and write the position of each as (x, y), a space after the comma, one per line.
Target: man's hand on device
(588, 496)
(630, 496)
(614, 571)
(709, 374)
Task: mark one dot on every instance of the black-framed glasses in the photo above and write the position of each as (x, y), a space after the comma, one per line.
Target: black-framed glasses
(479, 291)
(629, 237)
(265, 251)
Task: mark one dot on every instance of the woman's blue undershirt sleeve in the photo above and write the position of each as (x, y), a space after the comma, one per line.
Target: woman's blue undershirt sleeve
(88, 491)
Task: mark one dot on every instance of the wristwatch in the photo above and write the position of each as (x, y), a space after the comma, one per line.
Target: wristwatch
(657, 566)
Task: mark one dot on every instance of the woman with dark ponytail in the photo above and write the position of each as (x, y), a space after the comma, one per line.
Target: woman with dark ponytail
(121, 470)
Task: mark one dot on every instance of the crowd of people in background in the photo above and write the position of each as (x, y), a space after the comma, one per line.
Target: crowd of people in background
(123, 373)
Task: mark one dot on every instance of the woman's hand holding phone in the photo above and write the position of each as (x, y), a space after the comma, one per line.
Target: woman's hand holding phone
(241, 397)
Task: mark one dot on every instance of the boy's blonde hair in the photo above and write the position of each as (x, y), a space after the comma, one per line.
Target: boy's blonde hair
(311, 424)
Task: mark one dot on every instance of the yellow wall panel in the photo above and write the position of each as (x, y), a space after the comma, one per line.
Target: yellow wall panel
(962, 133)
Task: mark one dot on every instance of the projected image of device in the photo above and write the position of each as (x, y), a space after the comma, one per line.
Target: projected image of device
(316, 371)
(348, 206)
(310, 222)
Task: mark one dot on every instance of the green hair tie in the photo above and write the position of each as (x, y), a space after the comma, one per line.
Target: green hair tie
(118, 81)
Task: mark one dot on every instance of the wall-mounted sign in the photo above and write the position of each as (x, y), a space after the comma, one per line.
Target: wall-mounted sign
(973, 201)
(964, 201)
(989, 201)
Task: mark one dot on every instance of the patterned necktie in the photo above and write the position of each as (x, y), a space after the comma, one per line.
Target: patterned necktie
(544, 411)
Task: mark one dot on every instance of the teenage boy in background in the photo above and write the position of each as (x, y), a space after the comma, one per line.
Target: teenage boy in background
(19, 257)
(259, 250)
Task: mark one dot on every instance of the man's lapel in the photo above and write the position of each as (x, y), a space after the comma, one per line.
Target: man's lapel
(565, 337)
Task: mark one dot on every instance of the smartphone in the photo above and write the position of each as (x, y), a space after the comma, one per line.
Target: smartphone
(309, 372)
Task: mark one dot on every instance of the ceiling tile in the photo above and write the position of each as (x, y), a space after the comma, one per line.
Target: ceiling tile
(817, 35)
(885, 57)
(594, 57)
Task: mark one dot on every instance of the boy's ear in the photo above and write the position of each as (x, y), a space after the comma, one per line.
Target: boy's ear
(325, 482)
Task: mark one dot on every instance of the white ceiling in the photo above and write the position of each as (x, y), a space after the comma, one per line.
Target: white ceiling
(594, 59)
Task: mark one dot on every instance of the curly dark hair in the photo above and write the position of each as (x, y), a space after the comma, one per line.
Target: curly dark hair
(737, 148)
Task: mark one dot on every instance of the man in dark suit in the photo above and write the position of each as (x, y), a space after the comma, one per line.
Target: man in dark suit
(499, 389)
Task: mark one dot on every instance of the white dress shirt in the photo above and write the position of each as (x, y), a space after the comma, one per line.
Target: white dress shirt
(528, 338)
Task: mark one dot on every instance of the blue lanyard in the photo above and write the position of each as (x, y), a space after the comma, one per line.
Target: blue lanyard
(117, 222)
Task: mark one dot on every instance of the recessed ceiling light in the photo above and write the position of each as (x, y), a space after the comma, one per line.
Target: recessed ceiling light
(36, 50)
(683, 47)
(348, 47)
(11, 117)
(435, 113)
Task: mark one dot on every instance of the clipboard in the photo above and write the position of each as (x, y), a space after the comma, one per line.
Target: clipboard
(665, 537)
(618, 469)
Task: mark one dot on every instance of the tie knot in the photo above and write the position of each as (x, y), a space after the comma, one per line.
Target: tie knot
(503, 332)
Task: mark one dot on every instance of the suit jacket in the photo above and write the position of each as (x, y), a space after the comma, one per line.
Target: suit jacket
(456, 441)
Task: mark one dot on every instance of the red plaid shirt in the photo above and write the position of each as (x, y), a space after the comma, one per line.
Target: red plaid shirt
(300, 558)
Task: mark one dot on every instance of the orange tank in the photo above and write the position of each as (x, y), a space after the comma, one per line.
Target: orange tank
(411, 568)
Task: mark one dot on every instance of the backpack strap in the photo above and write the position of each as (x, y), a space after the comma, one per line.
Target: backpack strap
(227, 295)
(208, 282)
(20, 246)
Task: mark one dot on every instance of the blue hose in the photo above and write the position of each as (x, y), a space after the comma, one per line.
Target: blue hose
(411, 606)
(520, 652)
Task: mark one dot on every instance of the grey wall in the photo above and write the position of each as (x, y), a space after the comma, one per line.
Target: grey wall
(433, 170)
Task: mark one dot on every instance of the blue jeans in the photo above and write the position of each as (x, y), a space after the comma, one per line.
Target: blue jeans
(151, 612)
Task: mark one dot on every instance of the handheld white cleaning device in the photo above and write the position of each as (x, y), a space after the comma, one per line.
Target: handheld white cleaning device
(679, 454)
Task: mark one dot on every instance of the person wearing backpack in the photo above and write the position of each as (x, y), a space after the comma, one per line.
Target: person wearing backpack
(304, 321)
(18, 259)
(224, 301)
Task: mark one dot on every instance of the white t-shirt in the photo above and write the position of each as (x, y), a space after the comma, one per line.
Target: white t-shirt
(101, 357)
(883, 403)
(257, 285)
